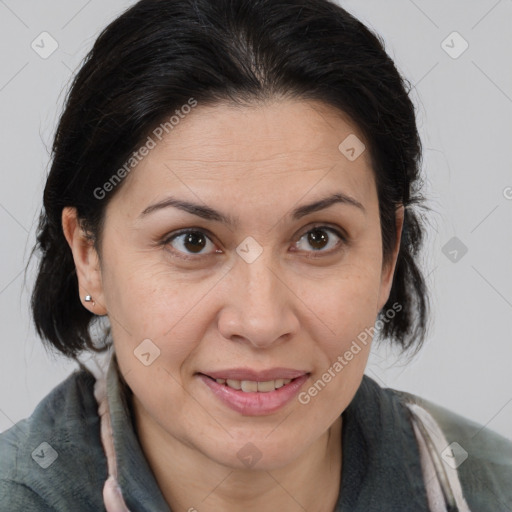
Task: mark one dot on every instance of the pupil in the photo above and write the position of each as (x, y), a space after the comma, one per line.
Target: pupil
(194, 239)
(318, 241)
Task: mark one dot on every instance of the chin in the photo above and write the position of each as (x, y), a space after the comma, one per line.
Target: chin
(256, 455)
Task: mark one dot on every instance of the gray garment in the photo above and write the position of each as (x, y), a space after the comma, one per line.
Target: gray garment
(381, 461)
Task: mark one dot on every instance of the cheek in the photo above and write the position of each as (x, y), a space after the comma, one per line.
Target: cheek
(142, 293)
(346, 307)
(146, 302)
(351, 317)
(346, 298)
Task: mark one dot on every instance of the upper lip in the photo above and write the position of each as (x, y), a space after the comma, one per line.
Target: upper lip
(255, 375)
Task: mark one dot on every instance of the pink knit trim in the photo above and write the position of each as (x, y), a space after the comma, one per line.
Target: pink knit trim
(112, 495)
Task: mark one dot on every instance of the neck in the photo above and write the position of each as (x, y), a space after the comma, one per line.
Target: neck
(189, 480)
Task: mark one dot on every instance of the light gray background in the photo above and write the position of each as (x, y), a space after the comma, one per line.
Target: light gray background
(465, 117)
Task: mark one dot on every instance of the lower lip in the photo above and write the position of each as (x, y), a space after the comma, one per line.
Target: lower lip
(255, 403)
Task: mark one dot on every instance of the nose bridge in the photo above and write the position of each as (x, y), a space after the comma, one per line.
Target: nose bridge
(260, 280)
(258, 298)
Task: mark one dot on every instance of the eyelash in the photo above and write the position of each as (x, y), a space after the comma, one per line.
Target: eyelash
(313, 254)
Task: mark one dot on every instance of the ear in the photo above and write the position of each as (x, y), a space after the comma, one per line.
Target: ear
(87, 262)
(388, 270)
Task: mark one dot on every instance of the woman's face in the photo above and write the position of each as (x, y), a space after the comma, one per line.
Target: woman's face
(283, 288)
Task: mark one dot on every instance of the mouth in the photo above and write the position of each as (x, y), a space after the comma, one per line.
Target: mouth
(255, 397)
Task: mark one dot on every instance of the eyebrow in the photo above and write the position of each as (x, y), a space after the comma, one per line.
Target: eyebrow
(210, 214)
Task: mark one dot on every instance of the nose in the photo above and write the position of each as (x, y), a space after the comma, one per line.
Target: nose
(260, 307)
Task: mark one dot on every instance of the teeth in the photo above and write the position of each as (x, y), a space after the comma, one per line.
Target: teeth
(235, 384)
(250, 386)
(269, 385)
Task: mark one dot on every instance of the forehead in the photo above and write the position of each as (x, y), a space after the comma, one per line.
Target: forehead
(254, 152)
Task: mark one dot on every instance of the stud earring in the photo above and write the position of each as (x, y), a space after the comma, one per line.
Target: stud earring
(88, 298)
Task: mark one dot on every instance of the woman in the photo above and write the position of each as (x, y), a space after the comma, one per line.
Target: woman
(232, 199)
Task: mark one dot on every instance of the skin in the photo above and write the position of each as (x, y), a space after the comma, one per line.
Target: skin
(217, 311)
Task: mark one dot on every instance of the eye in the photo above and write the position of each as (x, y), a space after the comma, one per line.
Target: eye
(191, 244)
(319, 238)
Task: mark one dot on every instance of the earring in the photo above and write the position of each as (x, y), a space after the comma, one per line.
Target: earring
(88, 298)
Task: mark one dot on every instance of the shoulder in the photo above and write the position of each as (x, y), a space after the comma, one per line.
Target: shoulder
(483, 458)
(54, 459)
